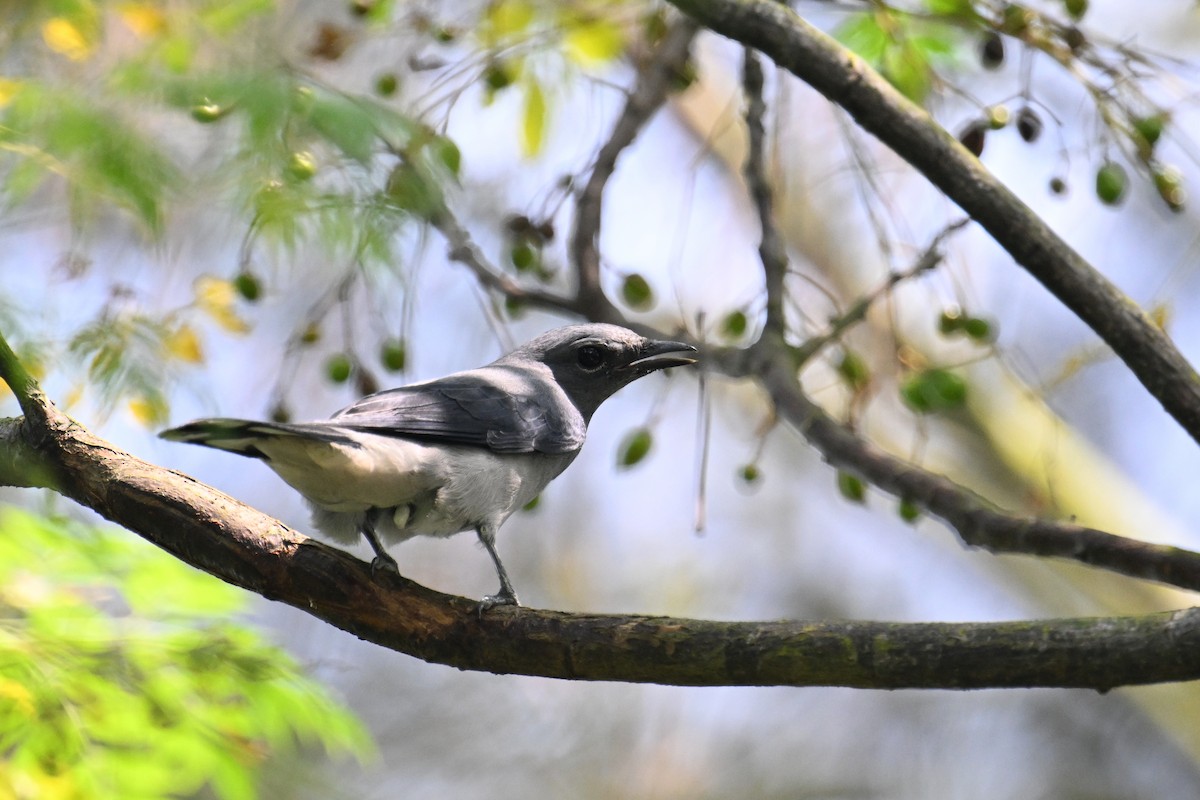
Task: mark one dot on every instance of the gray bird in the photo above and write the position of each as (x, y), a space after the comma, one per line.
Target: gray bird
(453, 454)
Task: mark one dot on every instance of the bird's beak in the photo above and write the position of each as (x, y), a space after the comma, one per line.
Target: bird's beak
(661, 355)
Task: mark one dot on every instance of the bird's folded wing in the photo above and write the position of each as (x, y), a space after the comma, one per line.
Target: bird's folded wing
(506, 416)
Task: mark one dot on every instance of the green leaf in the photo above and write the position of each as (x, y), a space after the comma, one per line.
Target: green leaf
(854, 370)
(634, 447)
(533, 120)
(410, 190)
(907, 68)
(446, 152)
(523, 256)
(734, 325)
(851, 487)
(225, 17)
(933, 390)
(862, 34)
(636, 292)
(103, 157)
(349, 125)
(951, 8)
(108, 693)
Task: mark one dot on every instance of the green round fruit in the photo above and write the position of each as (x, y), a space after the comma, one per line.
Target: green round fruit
(301, 166)
(386, 84)
(393, 355)
(978, 329)
(207, 112)
(338, 368)
(248, 286)
(1111, 183)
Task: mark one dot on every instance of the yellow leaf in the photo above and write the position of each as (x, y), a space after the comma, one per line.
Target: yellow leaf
(64, 36)
(214, 293)
(506, 18)
(148, 411)
(184, 344)
(73, 396)
(144, 19)
(8, 90)
(533, 122)
(216, 297)
(594, 42)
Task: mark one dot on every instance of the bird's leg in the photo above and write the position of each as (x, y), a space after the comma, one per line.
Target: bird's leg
(506, 596)
(382, 561)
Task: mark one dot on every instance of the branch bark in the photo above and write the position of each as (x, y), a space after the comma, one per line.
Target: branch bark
(244, 547)
(831, 69)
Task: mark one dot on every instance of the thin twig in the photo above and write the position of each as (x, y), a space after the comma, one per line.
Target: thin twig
(771, 249)
(927, 261)
(655, 82)
(462, 248)
(814, 57)
(23, 385)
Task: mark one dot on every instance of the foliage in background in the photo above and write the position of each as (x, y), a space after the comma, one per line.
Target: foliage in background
(120, 112)
(123, 674)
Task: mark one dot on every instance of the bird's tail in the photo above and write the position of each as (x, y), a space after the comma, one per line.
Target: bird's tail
(241, 436)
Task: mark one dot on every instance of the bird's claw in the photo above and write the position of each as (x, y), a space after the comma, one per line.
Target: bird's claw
(384, 563)
(502, 598)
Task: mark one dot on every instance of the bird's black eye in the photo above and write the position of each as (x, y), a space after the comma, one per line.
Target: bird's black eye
(590, 357)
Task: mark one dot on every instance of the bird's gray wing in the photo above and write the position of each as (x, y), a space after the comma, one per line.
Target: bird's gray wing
(506, 414)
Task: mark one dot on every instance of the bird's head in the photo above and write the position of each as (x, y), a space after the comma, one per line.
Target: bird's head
(592, 362)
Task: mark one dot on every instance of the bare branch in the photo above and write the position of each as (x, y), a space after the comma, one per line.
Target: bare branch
(771, 250)
(977, 522)
(654, 84)
(776, 30)
(462, 248)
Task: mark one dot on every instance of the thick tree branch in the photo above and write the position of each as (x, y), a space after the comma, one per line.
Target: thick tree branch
(21, 464)
(843, 78)
(227, 539)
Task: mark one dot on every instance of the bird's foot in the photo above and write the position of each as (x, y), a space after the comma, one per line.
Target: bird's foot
(501, 598)
(384, 563)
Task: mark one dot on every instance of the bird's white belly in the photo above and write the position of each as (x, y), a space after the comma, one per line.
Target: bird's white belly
(409, 489)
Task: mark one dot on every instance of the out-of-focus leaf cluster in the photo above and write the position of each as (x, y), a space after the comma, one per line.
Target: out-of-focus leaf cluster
(122, 674)
(913, 43)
